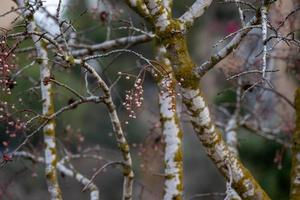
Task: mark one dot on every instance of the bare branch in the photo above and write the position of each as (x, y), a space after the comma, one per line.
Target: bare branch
(120, 136)
(94, 191)
(48, 109)
(264, 24)
(140, 7)
(205, 67)
(108, 45)
(195, 11)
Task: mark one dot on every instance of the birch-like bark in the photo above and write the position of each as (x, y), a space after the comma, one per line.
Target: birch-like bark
(232, 124)
(170, 129)
(119, 134)
(295, 171)
(232, 142)
(168, 5)
(264, 32)
(243, 182)
(216, 148)
(110, 44)
(231, 136)
(49, 129)
(48, 110)
(170, 34)
(159, 13)
(94, 191)
(139, 7)
(195, 11)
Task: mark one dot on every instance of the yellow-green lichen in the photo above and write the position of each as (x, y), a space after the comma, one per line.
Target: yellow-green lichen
(70, 60)
(124, 147)
(49, 132)
(182, 64)
(178, 155)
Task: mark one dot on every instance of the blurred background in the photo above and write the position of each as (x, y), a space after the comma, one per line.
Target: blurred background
(88, 125)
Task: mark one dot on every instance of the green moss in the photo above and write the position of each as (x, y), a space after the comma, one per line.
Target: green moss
(39, 60)
(169, 176)
(178, 156)
(53, 152)
(126, 170)
(70, 60)
(124, 147)
(49, 132)
(180, 185)
(29, 17)
(44, 44)
(214, 60)
(51, 176)
(182, 64)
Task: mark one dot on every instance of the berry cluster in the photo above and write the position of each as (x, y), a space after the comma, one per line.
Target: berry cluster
(6, 68)
(134, 98)
(11, 125)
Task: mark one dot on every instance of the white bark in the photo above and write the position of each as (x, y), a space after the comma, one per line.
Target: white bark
(48, 109)
(173, 143)
(231, 136)
(139, 6)
(119, 134)
(159, 13)
(168, 5)
(264, 23)
(195, 11)
(130, 40)
(217, 149)
(94, 192)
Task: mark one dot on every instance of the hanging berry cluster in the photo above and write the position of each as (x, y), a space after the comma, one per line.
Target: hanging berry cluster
(6, 68)
(11, 125)
(134, 97)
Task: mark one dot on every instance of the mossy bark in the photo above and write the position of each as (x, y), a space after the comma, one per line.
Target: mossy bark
(216, 148)
(49, 128)
(170, 127)
(295, 171)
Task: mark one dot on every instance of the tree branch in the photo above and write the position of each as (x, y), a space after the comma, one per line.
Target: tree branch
(195, 11)
(295, 170)
(48, 109)
(120, 136)
(220, 55)
(170, 128)
(94, 191)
